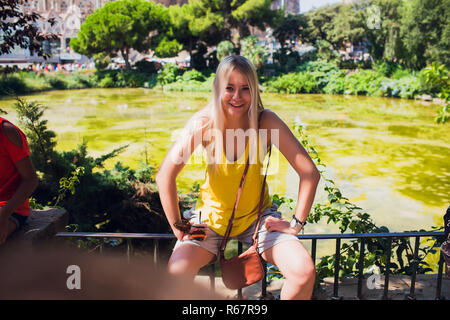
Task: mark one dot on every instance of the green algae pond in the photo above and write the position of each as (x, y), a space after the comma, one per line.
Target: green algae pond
(387, 156)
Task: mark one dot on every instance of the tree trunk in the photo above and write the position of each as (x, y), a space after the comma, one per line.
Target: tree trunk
(125, 57)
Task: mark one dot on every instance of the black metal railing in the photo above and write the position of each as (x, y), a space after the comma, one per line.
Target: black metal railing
(156, 237)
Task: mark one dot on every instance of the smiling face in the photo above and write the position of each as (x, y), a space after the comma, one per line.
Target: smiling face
(236, 97)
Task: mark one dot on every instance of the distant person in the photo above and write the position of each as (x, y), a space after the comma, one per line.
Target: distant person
(18, 179)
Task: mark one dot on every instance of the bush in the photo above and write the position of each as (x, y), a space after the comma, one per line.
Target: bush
(336, 83)
(169, 74)
(366, 82)
(145, 66)
(224, 48)
(407, 88)
(106, 82)
(387, 68)
(56, 83)
(114, 200)
(256, 53)
(304, 82)
(193, 75)
(12, 84)
(286, 60)
(318, 65)
(79, 81)
(130, 78)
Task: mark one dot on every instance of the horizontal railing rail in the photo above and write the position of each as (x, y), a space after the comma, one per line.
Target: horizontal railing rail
(313, 237)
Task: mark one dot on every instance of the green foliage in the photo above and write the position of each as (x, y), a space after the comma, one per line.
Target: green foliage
(224, 48)
(120, 199)
(168, 48)
(349, 217)
(56, 82)
(120, 25)
(425, 32)
(101, 60)
(107, 82)
(193, 75)
(408, 87)
(303, 82)
(256, 53)
(291, 27)
(145, 66)
(68, 184)
(11, 84)
(169, 74)
(365, 82)
(286, 60)
(435, 79)
(325, 51)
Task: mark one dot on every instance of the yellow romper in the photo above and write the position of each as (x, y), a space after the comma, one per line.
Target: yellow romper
(218, 194)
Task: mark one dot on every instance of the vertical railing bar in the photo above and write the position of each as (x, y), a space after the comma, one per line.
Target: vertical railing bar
(264, 281)
(388, 266)
(336, 269)
(439, 277)
(313, 250)
(411, 295)
(239, 293)
(361, 268)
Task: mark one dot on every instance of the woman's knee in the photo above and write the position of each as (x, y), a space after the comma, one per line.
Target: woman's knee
(303, 272)
(187, 260)
(295, 263)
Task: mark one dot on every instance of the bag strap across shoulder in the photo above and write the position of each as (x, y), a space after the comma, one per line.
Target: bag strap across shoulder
(238, 196)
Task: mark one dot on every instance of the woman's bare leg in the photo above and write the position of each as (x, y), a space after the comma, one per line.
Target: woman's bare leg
(297, 267)
(187, 259)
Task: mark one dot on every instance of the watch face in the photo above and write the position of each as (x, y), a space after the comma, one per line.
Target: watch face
(293, 223)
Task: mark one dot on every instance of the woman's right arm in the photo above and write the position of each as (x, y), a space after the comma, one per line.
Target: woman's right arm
(174, 161)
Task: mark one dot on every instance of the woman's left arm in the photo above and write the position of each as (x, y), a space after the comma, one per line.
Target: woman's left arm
(300, 161)
(28, 182)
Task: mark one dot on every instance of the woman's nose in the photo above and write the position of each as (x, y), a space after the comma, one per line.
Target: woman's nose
(237, 94)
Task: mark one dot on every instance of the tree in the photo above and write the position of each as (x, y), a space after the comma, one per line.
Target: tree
(256, 53)
(381, 20)
(224, 48)
(336, 24)
(221, 17)
(122, 25)
(425, 30)
(20, 29)
(320, 22)
(290, 28)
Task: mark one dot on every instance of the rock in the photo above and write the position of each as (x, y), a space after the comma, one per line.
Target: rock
(41, 225)
(426, 97)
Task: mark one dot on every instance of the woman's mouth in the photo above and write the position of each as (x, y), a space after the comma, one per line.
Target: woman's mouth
(235, 105)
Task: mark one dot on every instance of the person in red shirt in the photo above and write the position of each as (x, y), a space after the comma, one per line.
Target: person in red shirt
(18, 179)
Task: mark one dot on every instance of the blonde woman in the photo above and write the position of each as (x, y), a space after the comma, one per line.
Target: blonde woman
(232, 128)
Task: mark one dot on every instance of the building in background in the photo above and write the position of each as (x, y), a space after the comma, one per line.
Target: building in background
(69, 15)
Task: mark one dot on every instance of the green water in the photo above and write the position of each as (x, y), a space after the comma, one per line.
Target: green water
(386, 155)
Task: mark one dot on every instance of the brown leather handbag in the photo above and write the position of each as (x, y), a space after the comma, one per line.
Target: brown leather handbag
(247, 268)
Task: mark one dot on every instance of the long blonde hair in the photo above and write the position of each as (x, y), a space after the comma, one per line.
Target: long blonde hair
(216, 114)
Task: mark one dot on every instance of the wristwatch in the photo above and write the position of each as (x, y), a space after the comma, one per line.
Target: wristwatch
(295, 223)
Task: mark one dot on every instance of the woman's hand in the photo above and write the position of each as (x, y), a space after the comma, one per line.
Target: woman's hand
(180, 235)
(275, 224)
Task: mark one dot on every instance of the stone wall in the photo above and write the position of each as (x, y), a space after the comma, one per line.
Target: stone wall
(41, 226)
